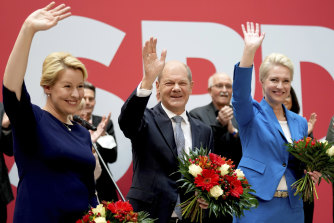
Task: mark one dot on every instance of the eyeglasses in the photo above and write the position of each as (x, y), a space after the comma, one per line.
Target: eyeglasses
(221, 86)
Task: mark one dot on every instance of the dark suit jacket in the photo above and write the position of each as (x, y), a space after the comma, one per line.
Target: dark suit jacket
(154, 187)
(105, 188)
(6, 147)
(225, 144)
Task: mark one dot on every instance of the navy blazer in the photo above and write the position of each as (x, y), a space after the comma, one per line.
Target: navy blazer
(154, 152)
(265, 158)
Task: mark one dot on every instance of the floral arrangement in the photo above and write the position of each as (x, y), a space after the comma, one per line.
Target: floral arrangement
(214, 179)
(112, 212)
(317, 156)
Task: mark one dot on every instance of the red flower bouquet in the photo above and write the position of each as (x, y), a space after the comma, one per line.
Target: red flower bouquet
(112, 212)
(317, 156)
(214, 179)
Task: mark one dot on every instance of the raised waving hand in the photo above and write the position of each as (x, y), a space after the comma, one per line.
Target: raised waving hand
(253, 40)
(153, 66)
(47, 17)
(41, 19)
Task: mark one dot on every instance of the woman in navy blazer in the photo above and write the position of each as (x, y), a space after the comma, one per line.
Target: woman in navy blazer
(264, 130)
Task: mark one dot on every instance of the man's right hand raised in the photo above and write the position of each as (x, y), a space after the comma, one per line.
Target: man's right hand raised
(153, 66)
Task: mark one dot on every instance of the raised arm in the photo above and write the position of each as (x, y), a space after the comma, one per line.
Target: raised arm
(253, 41)
(41, 19)
(153, 66)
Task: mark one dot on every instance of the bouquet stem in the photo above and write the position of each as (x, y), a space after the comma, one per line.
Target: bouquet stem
(306, 188)
(190, 208)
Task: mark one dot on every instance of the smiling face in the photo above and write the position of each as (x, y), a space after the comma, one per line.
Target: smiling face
(276, 86)
(66, 94)
(220, 90)
(174, 87)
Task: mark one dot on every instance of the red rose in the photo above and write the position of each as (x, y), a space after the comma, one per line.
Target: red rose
(85, 218)
(218, 160)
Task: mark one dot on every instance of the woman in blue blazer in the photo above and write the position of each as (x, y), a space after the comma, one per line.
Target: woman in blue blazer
(264, 130)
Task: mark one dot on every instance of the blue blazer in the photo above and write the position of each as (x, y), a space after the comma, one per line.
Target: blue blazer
(154, 154)
(265, 158)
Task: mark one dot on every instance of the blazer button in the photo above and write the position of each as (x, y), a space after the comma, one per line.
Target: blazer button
(284, 164)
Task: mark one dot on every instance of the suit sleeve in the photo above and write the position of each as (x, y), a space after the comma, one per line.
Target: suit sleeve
(242, 99)
(330, 132)
(131, 119)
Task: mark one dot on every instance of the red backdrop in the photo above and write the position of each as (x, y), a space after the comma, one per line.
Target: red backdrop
(316, 86)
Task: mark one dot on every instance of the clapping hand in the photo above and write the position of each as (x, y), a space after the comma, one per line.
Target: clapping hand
(101, 128)
(225, 115)
(47, 17)
(311, 123)
(153, 66)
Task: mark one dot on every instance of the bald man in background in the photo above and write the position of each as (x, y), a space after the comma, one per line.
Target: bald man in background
(219, 115)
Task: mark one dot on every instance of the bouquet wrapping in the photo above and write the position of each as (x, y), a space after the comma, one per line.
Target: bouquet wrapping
(317, 156)
(214, 179)
(112, 212)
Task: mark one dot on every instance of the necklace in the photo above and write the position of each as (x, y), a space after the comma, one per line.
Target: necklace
(67, 126)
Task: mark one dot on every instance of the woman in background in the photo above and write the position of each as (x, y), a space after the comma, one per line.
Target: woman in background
(53, 154)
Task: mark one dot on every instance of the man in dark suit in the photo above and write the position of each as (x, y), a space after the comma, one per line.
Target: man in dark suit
(219, 115)
(330, 139)
(106, 145)
(151, 131)
(6, 147)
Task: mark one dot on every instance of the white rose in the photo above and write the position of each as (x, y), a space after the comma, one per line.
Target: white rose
(100, 220)
(240, 174)
(100, 209)
(224, 169)
(195, 170)
(330, 151)
(216, 191)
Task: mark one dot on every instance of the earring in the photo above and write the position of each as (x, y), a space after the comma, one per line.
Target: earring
(48, 95)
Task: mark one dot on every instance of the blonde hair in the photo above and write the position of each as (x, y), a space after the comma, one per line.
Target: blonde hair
(272, 60)
(56, 62)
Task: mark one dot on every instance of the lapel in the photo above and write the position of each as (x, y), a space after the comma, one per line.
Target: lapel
(165, 126)
(292, 123)
(276, 128)
(272, 118)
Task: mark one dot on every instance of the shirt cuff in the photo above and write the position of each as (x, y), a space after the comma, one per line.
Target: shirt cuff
(142, 92)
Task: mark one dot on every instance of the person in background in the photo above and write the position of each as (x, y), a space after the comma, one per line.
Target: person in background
(291, 103)
(265, 128)
(6, 147)
(106, 144)
(160, 135)
(330, 139)
(53, 154)
(218, 114)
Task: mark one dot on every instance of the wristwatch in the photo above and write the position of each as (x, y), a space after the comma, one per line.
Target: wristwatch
(235, 132)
